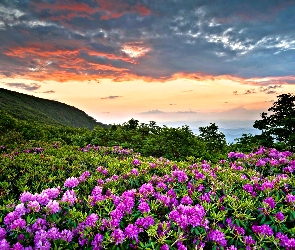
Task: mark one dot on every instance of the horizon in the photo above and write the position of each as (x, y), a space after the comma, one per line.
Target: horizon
(191, 62)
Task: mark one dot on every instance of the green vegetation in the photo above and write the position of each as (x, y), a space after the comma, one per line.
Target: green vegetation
(74, 188)
(30, 108)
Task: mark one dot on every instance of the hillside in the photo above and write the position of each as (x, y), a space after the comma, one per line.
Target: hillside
(27, 107)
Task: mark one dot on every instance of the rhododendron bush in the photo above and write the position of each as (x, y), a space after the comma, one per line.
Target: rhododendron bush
(112, 198)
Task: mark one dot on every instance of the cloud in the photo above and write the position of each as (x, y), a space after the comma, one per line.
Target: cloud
(271, 89)
(111, 97)
(66, 40)
(154, 111)
(271, 92)
(28, 87)
(250, 91)
(115, 9)
(187, 90)
(48, 92)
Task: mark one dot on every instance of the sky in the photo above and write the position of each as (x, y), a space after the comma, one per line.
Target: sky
(175, 62)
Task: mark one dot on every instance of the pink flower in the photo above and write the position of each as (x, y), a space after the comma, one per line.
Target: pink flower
(71, 182)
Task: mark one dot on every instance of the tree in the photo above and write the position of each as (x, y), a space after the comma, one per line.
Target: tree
(213, 137)
(279, 125)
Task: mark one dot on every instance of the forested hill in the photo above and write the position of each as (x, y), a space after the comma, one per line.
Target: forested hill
(27, 107)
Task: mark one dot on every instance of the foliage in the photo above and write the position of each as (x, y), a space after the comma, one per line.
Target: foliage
(26, 107)
(67, 197)
(279, 125)
(60, 191)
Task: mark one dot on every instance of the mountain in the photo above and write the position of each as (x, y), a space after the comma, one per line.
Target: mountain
(27, 107)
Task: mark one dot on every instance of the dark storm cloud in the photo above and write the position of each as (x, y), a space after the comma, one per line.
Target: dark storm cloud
(66, 39)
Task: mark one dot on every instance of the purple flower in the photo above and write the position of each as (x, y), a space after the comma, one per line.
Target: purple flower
(283, 238)
(290, 244)
(239, 230)
(41, 241)
(42, 198)
(53, 233)
(263, 230)
(144, 207)
(146, 189)
(186, 200)
(96, 195)
(270, 202)
(91, 220)
(164, 247)
(180, 246)
(131, 231)
(249, 240)
(180, 175)
(34, 206)
(40, 224)
(66, 235)
(4, 245)
(52, 192)
(205, 197)
(100, 182)
(199, 175)
(261, 163)
(165, 200)
(20, 210)
(18, 246)
(218, 237)
(69, 197)
(105, 172)
(2, 233)
(52, 207)
(145, 222)
(115, 177)
(279, 216)
(290, 198)
(10, 217)
(84, 176)
(186, 215)
(248, 188)
(71, 182)
(118, 236)
(267, 185)
(26, 196)
(17, 224)
(232, 247)
(96, 242)
(162, 185)
(134, 171)
(136, 162)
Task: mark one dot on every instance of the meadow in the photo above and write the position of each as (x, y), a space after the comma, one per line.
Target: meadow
(58, 196)
(160, 188)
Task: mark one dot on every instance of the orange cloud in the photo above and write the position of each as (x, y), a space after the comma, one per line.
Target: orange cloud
(75, 9)
(109, 56)
(49, 62)
(52, 63)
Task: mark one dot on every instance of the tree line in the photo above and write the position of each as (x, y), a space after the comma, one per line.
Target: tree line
(277, 130)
